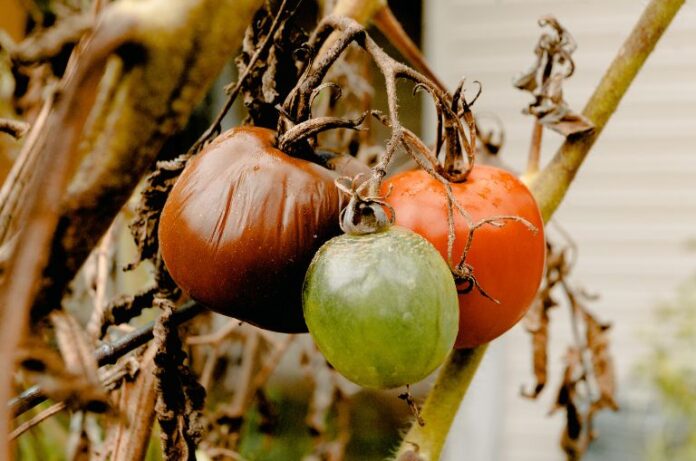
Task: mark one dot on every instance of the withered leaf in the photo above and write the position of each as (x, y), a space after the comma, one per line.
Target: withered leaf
(575, 438)
(126, 307)
(537, 324)
(180, 397)
(536, 321)
(602, 362)
(155, 192)
(545, 81)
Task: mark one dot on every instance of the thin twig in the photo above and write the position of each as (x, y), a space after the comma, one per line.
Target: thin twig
(535, 148)
(47, 413)
(109, 353)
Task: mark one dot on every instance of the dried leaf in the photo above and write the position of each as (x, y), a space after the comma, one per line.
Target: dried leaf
(575, 438)
(124, 308)
(537, 324)
(602, 362)
(275, 74)
(157, 187)
(545, 81)
(180, 397)
(588, 383)
(537, 319)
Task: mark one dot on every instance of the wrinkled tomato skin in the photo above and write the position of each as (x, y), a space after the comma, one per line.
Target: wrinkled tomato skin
(381, 307)
(242, 224)
(507, 261)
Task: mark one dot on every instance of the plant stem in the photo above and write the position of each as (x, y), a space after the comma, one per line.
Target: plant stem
(549, 188)
(553, 181)
(535, 149)
(442, 403)
(109, 353)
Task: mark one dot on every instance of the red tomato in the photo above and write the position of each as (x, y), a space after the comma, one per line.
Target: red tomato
(507, 261)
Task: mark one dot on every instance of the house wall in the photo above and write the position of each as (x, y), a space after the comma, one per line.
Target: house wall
(631, 210)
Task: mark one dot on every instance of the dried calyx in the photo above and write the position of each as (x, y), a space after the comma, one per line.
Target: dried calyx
(455, 166)
(364, 214)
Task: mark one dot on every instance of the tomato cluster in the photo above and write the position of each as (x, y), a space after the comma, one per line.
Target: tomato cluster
(244, 221)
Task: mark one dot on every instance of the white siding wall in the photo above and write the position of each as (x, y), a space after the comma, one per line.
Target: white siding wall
(631, 210)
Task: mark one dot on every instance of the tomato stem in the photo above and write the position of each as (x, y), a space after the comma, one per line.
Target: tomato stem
(551, 184)
(535, 148)
(442, 404)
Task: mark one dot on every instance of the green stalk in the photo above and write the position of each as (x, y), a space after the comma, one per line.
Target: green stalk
(441, 405)
(549, 188)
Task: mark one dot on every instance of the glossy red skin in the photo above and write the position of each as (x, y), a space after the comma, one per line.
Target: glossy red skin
(508, 261)
(242, 224)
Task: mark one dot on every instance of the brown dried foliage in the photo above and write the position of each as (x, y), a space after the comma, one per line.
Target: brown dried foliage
(270, 81)
(545, 80)
(588, 383)
(180, 398)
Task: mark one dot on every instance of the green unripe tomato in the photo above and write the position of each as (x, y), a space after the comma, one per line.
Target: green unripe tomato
(381, 307)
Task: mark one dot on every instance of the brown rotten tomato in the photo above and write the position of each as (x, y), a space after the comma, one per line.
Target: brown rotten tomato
(507, 260)
(242, 224)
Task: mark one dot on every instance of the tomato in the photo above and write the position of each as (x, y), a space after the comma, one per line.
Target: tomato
(381, 307)
(507, 261)
(241, 225)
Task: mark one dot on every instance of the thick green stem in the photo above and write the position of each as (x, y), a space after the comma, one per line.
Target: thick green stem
(441, 405)
(549, 188)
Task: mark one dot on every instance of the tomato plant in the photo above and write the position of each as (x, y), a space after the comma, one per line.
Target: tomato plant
(242, 224)
(381, 307)
(507, 259)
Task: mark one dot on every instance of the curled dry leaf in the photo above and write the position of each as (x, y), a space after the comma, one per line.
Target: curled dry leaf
(577, 433)
(588, 383)
(265, 88)
(125, 307)
(14, 128)
(597, 337)
(537, 319)
(155, 192)
(545, 80)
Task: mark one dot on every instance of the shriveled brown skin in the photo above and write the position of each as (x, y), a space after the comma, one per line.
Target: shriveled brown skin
(242, 224)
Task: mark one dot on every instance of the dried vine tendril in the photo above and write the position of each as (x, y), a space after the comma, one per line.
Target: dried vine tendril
(451, 160)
